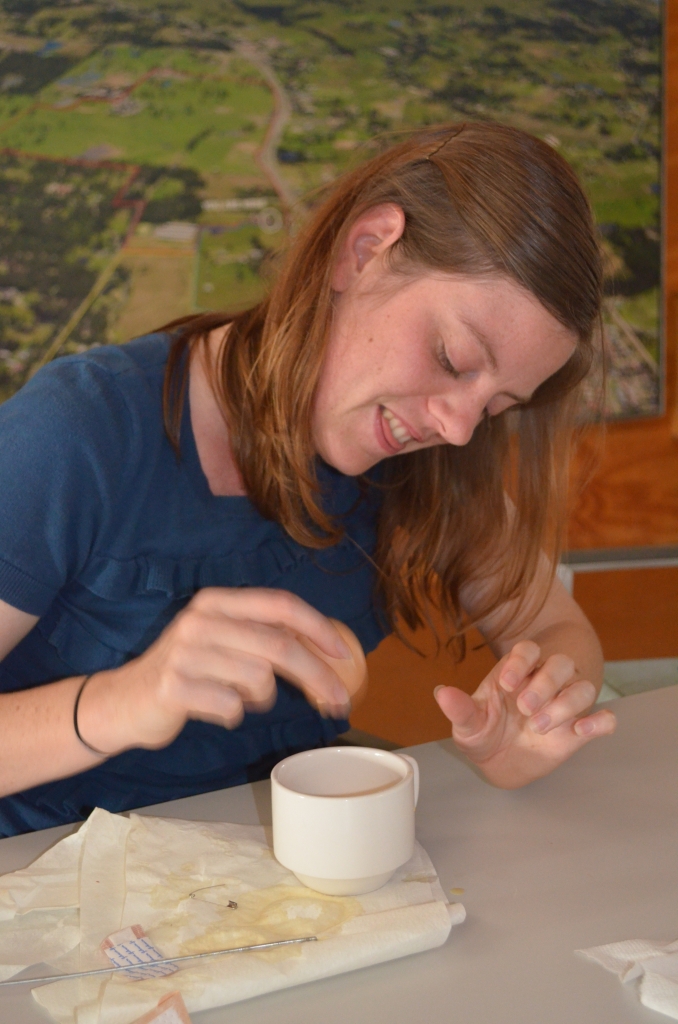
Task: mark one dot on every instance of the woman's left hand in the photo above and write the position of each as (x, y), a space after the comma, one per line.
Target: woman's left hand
(526, 717)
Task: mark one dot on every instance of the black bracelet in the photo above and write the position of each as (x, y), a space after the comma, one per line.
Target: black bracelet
(75, 719)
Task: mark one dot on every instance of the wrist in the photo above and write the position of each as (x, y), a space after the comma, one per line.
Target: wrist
(76, 724)
(98, 718)
(514, 767)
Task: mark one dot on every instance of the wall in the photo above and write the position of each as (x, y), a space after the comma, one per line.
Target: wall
(631, 500)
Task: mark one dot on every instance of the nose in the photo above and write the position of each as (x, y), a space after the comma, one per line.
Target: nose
(454, 421)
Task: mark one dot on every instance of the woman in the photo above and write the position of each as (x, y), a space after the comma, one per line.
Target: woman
(389, 427)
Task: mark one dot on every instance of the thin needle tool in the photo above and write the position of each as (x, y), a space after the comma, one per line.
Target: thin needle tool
(165, 960)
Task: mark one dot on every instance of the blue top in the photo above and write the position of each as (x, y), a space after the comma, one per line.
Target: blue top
(106, 535)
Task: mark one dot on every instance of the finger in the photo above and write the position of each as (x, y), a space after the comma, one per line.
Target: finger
(572, 701)
(253, 680)
(285, 654)
(556, 672)
(601, 723)
(291, 659)
(520, 662)
(276, 608)
(212, 702)
(466, 717)
(249, 675)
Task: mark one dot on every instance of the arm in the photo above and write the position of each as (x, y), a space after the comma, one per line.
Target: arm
(559, 628)
(37, 741)
(529, 714)
(217, 659)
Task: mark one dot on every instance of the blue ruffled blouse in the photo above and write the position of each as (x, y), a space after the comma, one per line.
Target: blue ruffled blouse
(106, 535)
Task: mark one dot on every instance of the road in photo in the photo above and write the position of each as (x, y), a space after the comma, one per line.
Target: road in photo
(153, 161)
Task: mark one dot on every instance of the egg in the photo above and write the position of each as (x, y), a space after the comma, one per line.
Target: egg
(352, 671)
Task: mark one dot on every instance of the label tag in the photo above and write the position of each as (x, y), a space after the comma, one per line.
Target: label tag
(130, 947)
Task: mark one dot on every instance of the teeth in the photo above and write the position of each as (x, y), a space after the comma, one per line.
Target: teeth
(397, 429)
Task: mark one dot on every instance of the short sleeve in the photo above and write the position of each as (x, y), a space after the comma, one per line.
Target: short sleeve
(64, 438)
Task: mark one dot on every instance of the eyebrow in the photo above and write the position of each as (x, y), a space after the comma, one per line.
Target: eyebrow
(484, 343)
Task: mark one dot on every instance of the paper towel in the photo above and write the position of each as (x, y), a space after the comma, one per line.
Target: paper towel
(118, 872)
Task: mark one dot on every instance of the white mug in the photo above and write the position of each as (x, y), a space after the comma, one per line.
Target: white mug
(343, 817)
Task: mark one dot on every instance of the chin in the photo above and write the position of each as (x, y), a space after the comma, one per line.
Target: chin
(350, 464)
(351, 468)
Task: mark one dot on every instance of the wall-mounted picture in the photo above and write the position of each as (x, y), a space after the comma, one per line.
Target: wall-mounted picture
(154, 157)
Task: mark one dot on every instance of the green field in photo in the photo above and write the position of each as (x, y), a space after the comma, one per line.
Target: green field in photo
(203, 103)
(194, 122)
(228, 271)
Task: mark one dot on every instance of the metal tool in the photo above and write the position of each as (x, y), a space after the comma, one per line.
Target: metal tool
(165, 960)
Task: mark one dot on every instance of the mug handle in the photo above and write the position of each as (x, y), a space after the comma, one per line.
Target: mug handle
(415, 769)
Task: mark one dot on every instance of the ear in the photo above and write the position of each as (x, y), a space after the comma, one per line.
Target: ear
(374, 232)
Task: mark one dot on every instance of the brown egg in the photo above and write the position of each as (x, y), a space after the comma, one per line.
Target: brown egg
(352, 671)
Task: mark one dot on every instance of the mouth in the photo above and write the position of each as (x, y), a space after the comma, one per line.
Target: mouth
(392, 433)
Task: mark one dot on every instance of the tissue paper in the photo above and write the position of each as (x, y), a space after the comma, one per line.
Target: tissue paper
(178, 881)
(654, 964)
(170, 1010)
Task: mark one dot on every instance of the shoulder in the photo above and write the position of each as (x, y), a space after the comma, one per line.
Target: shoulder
(108, 388)
(138, 363)
(75, 442)
(145, 356)
(95, 417)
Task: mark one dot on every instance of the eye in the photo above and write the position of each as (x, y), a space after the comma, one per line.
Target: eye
(446, 364)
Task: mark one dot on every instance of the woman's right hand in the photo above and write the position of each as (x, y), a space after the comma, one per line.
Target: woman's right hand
(215, 660)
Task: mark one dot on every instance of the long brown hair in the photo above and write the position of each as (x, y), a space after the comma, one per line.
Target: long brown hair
(478, 199)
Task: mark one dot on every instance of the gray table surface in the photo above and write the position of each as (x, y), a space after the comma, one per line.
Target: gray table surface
(584, 857)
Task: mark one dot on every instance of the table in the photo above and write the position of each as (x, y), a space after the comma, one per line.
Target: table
(584, 857)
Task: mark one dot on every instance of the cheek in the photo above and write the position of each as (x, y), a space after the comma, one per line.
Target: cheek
(499, 405)
(332, 373)
(376, 358)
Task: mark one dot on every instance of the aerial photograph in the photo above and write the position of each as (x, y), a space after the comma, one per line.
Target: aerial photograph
(155, 155)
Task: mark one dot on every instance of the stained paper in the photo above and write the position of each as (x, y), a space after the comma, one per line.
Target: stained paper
(177, 882)
(170, 1010)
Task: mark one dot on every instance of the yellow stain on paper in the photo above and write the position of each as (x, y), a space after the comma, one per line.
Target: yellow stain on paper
(278, 912)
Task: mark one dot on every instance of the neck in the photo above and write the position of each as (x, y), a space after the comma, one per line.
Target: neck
(208, 422)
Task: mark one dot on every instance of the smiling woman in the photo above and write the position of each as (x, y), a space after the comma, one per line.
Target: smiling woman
(183, 517)
(445, 280)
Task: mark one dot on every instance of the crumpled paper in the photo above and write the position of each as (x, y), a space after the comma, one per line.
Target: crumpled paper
(116, 872)
(170, 1010)
(653, 964)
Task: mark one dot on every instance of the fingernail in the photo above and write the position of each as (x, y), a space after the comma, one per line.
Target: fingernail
(585, 727)
(540, 723)
(342, 648)
(338, 710)
(510, 679)
(340, 695)
(437, 689)
(531, 700)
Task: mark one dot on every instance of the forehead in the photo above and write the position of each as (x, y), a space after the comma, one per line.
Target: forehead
(491, 308)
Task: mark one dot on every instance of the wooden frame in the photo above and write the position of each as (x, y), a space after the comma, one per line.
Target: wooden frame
(671, 210)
